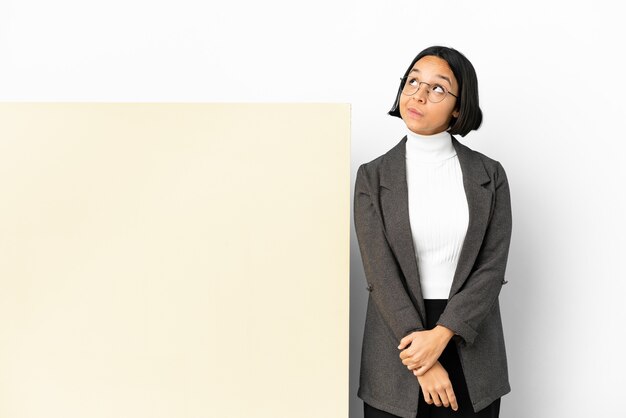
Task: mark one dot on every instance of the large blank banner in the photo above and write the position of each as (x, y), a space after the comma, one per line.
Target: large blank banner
(174, 260)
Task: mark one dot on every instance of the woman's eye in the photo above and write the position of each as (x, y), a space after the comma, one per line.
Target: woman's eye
(438, 89)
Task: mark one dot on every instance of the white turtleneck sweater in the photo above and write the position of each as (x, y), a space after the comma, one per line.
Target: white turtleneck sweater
(438, 209)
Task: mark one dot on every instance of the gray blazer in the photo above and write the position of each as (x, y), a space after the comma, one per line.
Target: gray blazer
(395, 305)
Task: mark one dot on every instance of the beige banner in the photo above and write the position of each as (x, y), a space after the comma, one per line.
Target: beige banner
(174, 260)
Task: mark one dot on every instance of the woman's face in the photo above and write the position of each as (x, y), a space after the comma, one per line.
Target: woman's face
(420, 115)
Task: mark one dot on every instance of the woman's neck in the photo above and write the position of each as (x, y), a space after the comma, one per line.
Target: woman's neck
(429, 148)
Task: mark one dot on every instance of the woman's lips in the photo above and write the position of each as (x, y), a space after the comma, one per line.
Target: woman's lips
(415, 113)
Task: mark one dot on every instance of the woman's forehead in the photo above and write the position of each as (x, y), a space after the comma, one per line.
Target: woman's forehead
(432, 63)
(435, 66)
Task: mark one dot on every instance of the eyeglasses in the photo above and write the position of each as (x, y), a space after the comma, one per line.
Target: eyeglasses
(435, 92)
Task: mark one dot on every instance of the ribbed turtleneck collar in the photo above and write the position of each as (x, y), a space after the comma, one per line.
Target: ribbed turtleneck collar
(429, 148)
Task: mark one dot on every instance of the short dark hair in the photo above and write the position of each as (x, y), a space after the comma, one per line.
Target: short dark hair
(470, 115)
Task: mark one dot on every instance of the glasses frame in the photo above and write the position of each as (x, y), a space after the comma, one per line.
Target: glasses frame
(427, 91)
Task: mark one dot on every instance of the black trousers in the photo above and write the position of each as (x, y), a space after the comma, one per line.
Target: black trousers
(450, 361)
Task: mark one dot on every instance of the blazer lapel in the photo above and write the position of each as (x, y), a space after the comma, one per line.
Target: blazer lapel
(395, 213)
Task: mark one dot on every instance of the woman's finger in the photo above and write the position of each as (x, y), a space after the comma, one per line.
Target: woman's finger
(422, 369)
(435, 396)
(410, 364)
(427, 397)
(443, 395)
(452, 398)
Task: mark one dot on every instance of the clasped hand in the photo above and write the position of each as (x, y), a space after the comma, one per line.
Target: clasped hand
(421, 349)
(421, 356)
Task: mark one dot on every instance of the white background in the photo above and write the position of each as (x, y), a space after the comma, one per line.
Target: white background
(551, 89)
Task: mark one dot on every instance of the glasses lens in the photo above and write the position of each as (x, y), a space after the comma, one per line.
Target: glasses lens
(436, 93)
(410, 87)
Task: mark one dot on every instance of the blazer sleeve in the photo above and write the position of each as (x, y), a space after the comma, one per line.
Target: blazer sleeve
(382, 270)
(467, 308)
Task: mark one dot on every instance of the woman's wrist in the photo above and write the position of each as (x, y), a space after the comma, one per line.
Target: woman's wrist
(446, 334)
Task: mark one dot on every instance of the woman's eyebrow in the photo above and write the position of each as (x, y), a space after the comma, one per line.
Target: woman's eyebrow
(436, 75)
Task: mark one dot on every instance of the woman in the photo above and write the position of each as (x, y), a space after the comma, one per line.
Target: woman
(433, 222)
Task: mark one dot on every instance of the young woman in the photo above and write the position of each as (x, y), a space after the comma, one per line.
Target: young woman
(433, 222)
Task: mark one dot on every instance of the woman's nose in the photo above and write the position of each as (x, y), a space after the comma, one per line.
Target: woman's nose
(421, 95)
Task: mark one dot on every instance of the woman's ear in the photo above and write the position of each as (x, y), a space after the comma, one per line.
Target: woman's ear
(455, 114)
